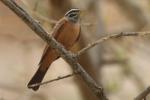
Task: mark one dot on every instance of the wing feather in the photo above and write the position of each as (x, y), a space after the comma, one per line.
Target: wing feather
(55, 34)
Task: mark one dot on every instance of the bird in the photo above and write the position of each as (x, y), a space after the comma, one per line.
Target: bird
(67, 32)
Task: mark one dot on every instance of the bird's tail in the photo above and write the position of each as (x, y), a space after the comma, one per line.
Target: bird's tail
(37, 78)
(43, 67)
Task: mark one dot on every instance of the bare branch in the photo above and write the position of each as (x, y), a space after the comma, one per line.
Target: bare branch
(116, 35)
(36, 14)
(68, 56)
(142, 95)
(56, 79)
(46, 19)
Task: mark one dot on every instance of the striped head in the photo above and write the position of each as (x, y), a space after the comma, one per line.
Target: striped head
(73, 15)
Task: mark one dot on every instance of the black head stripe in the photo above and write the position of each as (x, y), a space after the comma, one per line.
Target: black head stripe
(72, 11)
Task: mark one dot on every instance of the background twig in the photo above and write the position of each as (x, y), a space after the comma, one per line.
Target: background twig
(116, 35)
(56, 79)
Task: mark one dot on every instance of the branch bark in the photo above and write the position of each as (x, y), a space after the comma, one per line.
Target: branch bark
(68, 56)
(143, 94)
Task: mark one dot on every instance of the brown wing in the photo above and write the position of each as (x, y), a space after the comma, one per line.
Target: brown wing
(59, 26)
(55, 33)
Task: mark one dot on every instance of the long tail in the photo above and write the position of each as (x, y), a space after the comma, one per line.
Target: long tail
(44, 64)
(37, 78)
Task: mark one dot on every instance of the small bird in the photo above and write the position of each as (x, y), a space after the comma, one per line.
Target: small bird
(67, 32)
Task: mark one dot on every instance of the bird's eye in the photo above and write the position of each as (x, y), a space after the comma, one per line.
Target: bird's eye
(72, 15)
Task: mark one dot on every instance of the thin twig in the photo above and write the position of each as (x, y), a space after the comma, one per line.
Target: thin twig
(68, 56)
(38, 15)
(143, 94)
(56, 79)
(116, 35)
(46, 19)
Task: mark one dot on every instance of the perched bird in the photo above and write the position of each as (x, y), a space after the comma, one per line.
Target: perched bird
(66, 32)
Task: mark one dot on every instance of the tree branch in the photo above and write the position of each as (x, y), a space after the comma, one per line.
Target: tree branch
(68, 56)
(143, 94)
(56, 79)
(115, 35)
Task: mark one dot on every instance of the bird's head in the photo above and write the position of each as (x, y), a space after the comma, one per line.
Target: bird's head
(73, 15)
